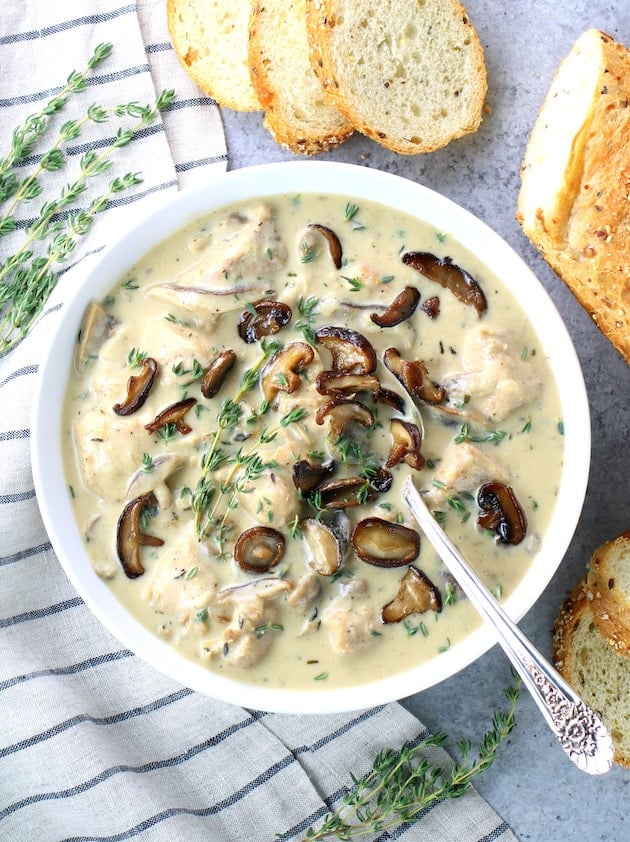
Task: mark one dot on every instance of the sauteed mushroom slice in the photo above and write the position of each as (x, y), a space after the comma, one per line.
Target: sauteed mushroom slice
(324, 551)
(501, 513)
(342, 412)
(385, 544)
(95, 328)
(264, 318)
(130, 537)
(416, 594)
(307, 476)
(214, 376)
(414, 376)
(280, 373)
(431, 306)
(450, 276)
(350, 350)
(345, 493)
(381, 481)
(173, 414)
(334, 246)
(406, 443)
(138, 388)
(332, 382)
(390, 398)
(401, 308)
(259, 549)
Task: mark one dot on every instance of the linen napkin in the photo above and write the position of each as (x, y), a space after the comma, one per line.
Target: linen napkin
(94, 743)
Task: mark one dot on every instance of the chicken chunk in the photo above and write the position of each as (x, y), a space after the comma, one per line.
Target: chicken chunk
(496, 379)
(464, 467)
(242, 254)
(249, 615)
(181, 583)
(349, 623)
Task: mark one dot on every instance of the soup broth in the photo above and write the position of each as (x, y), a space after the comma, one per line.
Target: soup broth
(246, 403)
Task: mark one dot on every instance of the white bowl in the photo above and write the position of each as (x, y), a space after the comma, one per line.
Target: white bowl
(351, 182)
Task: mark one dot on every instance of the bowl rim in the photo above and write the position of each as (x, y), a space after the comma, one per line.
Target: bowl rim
(353, 182)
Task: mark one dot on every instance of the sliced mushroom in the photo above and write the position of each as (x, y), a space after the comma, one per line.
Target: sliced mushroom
(280, 373)
(259, 549)
(334, 246)
(401, 308)
(431, 306)
(332, 382)
(264, 318)
(341, 412)
(406, 443)
(381, 481)
(414, 376)
(385, 544)
(173, 414)
(345, 493)
(390, 398)
(143, 481)
(95, 328)
(450, 276)
(138, 388)
(416, 594)
(214, 376)
(350, 350)
(501, 513)
(307, 476)
(130, 537)
(324, 552)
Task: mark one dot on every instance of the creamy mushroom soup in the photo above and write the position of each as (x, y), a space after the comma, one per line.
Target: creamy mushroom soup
(245, 405)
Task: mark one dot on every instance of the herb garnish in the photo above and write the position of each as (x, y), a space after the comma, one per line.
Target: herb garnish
(27, 277)
(402, 783)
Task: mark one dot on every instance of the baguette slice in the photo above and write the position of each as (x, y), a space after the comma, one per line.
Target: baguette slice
(409, 75)
(608, 588)
(210, 39)
(297, 113)
(575, 181)
(598, 673)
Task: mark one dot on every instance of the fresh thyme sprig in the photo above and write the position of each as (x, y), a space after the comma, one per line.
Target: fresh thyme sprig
(27, 277)
(403, 782)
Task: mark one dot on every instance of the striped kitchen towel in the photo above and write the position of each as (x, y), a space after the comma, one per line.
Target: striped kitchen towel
(95, 744)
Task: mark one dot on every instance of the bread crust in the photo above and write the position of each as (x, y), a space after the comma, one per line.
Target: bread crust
(297, 113)
(596, 671)
(336, 67)
(609, 604)
(586, 239)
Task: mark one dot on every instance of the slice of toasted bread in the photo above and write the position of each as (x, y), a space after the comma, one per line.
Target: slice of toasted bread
(597, 672)
(210, 38)
(297, 113)
(608, 588)
(575, 181)
(409, 75)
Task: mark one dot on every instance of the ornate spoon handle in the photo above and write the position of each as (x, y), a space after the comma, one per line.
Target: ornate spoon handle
(580, 731)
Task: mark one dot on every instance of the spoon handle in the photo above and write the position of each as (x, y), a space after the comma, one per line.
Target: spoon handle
(580, 731)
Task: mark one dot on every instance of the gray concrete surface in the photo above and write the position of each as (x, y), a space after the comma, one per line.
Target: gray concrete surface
(532, 785)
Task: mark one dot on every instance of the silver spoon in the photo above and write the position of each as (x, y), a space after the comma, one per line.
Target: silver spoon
(580, 731)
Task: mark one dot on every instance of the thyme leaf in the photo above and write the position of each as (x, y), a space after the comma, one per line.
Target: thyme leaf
(404, 782)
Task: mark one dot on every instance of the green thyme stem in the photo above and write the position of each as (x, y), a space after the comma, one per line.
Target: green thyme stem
(25, 136)
(403, 783)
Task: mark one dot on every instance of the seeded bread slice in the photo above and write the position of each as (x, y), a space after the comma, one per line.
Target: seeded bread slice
(608, 588)
(409, 75)
(297, 112)
(598, 673)
(210, 38)
(575, 181)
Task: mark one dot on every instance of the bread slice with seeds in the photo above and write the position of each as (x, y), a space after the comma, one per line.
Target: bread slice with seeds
(575, 181)
(297, 112)
(210, 38)
(409, 74)
(608, 588)
(597, 672)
